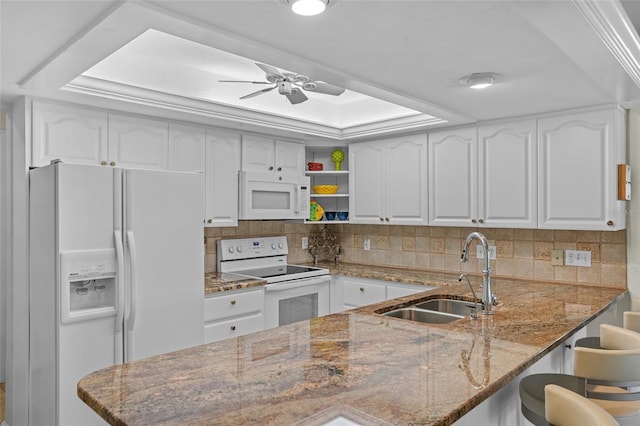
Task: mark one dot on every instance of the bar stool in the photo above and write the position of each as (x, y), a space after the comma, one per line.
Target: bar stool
(566, 408)
(602, 375)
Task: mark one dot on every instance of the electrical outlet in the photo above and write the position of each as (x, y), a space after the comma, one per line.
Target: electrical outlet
(367, 244)
(557, 257)
(305, 242)
(577, 258)
(480, 252)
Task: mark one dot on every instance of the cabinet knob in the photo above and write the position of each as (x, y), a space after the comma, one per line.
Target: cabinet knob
(103, 163)
(473, 221)
(209, 220)
(381, 220)
(233, 328)
(386, 219)
(270, 167)
(481, 220)
(362, 289)
(233, 302)
(279, 169)
(112, 164)
(609, 223)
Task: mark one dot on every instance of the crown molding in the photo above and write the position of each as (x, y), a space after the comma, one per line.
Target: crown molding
(612, 24)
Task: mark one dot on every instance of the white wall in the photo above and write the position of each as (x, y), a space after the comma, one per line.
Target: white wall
(633, 209)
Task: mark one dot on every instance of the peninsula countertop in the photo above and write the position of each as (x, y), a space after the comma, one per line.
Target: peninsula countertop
(356, 364)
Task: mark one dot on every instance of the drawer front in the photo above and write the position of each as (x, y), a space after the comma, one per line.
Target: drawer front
(361, 294)
(233, 328)
(232, 305)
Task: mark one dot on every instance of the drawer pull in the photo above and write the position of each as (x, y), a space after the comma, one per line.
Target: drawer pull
(233, 328)
(233, 302)
(362, 289)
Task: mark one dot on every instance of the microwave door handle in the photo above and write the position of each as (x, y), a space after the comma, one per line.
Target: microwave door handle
(297, 199)
(297, 284)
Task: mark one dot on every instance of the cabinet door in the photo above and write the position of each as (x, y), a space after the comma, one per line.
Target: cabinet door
(138, 143)
(258, 154)
(186, 148)
(366, 182)
(221, 178)
(577, 174)
(289, 158)
(406, 180)
(507, 178)
(72, 134)
(453, 183)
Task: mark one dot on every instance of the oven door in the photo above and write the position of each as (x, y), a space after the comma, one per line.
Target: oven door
(296, 300)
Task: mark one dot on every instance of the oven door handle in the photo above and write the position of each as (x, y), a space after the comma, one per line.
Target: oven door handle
(298, 283)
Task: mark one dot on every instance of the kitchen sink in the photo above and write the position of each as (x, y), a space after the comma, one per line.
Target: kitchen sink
(422, 315)
(435, 311)
(450, 306)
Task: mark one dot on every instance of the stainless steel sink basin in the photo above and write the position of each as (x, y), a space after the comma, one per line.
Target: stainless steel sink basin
(422, 315)
(457, 307)
(435, 311)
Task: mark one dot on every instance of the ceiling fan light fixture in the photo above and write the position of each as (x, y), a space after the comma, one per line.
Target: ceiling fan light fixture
(480, 80)
(308, 7)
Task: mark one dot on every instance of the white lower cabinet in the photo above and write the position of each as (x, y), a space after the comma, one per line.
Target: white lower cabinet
(233, 314)
(350, 292)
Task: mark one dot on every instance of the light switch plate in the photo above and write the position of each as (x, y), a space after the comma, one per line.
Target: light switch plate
(305, 242)
(557, 257)
(480, 252)
(577, 258)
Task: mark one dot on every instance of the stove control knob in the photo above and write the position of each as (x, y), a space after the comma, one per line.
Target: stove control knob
(273, 246)
(239, 249)
(230, 249)
(280, 246)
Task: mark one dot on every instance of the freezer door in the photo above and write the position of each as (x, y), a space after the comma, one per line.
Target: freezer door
(165, 268)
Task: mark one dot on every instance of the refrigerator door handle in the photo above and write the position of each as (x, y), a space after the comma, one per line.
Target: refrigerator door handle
(131, 319)
(120, 292)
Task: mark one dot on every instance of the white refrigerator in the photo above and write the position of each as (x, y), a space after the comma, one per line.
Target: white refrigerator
(116, 274)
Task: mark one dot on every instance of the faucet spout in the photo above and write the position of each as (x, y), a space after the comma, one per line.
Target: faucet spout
(488, 298)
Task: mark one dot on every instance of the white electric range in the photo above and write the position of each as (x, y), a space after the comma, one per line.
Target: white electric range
(292, 293)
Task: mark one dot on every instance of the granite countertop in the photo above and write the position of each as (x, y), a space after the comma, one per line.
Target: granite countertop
(215, 282)
(357, 364)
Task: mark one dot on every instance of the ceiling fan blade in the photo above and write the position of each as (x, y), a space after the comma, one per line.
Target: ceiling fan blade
(296, 96)
(242, 81)
(322, 87)
(259, 92)
(269, 70)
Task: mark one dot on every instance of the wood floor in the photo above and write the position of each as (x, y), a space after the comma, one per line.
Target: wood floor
(1, 402)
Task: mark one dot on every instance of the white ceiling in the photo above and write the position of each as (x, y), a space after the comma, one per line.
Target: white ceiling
(553, 56)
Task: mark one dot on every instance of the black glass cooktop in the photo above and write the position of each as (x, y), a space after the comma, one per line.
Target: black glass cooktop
(277, 271)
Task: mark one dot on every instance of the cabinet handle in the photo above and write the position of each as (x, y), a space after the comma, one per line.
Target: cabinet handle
(103, 163)
(270, 167)
(481, 221)
(112, 164)
(279, 169)
(209, 220)
(233, 302)
(233, 328)
(609, 223)
(473, 221)
(362, 289)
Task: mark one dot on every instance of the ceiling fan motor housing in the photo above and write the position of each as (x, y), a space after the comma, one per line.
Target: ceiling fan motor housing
(284, 87)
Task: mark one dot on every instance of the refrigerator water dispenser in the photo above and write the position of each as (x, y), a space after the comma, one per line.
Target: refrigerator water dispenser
(88, 285)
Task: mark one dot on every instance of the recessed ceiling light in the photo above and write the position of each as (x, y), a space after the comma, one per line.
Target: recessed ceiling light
(308, 7)
(480, 80)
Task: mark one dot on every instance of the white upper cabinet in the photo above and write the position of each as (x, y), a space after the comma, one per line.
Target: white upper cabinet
(261, 154)
(507, 181)
(453, 182)
(577, 171)
(138, 143)
(186, 148)
(76, 135)
(388, 180)
(221, 178)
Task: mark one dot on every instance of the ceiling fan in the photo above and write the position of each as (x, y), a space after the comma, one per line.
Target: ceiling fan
(289, 84)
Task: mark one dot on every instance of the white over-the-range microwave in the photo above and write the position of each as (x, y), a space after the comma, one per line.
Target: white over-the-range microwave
(273, 196)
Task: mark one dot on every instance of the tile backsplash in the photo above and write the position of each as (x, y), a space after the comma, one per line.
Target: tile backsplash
(521, 253)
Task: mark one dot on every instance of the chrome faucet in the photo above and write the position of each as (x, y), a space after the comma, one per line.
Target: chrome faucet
(488, 298)
(474, 314)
